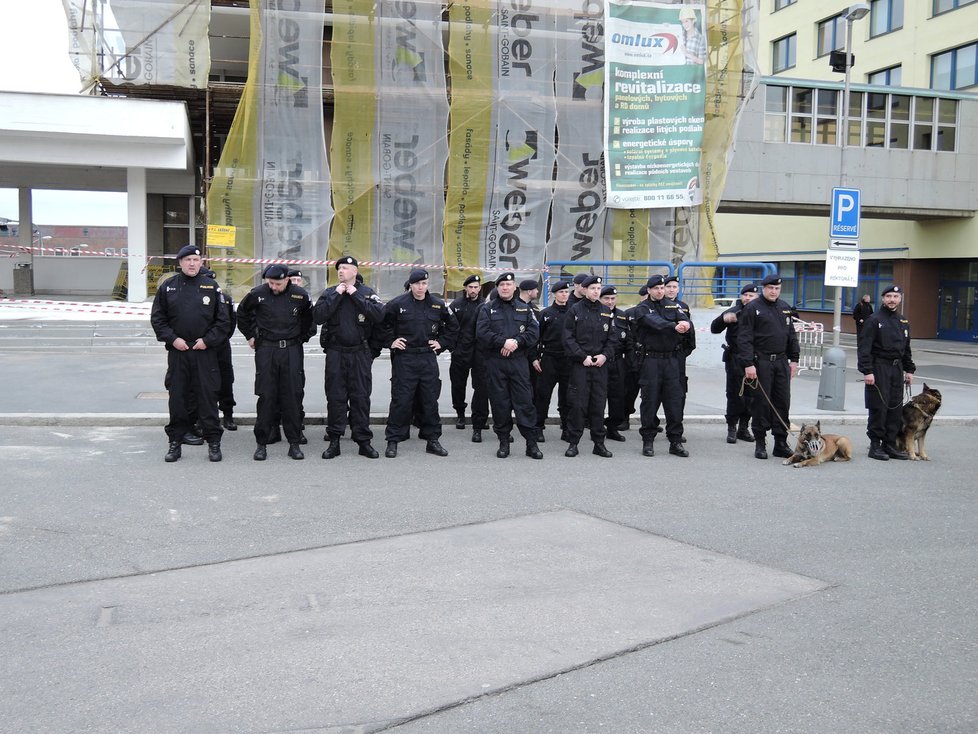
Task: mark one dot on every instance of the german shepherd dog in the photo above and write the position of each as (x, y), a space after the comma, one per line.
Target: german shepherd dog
(918, 414)
(815, 447)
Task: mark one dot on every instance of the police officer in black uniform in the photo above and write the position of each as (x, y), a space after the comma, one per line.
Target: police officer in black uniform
(351, 315)
(225, 396)
(738, 405)
(466, 359)
(507, 331)
(767, 347)
(578, 293)
(590, 340)
(617, 368)
(421, 326)
(550, 361)
(275, 318)
(688, 343)
(633, 361)
(659, 324)
(189, 316)
(886, 364)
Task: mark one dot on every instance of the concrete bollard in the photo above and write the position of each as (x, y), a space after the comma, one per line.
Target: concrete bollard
(832, 383)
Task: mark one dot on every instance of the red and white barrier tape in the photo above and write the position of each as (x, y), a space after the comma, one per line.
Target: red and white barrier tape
(16, 249)
(70, 306)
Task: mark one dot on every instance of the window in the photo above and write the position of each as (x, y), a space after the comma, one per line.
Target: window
(810, 115)
(942, 6)
(778, 4)
(885, 16)
(784, 53)
(178, 213)
(892, 77)
(831, 35)
(954, 69)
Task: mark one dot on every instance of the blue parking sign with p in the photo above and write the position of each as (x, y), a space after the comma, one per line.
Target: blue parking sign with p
(845, 214)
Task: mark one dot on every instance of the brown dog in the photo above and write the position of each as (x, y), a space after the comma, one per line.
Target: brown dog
(918, 414)
(814, 447)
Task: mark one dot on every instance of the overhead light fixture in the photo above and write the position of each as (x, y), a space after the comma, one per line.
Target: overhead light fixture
(856, 11)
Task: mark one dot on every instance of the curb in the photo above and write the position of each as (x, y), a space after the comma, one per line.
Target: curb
(137, 420)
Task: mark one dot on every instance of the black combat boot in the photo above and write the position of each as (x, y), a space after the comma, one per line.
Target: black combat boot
(894, 453)
(434, 447)
(743, 432)
(532, 450)
(503, 451)
(261, 453)
(369, 451)
(601, 450)
(781, 448)
(460, 419)
(174, 452)
(295, 452)
(648, 448)
(676, 448)
(732, 432)
(614, 435)
(391, 452)
(571, 451)
(333, 450)
(214, 451)
(876, 451)
(192, 439)
(476, 435)
(760, 448)
(228, 422)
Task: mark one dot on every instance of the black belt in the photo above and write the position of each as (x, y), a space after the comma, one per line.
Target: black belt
(771, 357)
(414, 350)
(279, 343)
(661, 355)
(348, 350)
(886, 360)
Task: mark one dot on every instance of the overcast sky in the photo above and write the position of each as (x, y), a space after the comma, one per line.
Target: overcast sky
(34, 58)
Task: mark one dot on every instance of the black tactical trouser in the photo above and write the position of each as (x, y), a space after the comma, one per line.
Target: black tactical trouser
(555, 371)
(509, 393)
(886, 404)
(458, 373)
(414, 373)
(738, 406)
(617, 376)
(225, 395)
(588, 395)
(193, 379)
(661, 385)
(279, 379)
(774, 377)
(348, 384)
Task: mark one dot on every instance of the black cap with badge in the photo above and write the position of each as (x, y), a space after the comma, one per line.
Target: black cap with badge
(187, 250)
(346, 260)
(471, 279)
(417, 275)
(654, 281)
(275, 271)
(749, 288)
(773, 279)
(893, 289)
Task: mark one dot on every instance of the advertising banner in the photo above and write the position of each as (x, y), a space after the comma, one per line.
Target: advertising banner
(655, 90)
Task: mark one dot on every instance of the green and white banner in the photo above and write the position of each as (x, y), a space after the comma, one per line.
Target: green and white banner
(410, 139)
(140, 41)
(578, 214)
(655, 90)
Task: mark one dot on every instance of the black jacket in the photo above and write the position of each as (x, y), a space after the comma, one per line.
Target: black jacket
(191, 309)
(500, 320)
(765, 328)
(886, 336)
(420, 321)
(654, 325)
(348, 319)
(267, 316)
(467, 314)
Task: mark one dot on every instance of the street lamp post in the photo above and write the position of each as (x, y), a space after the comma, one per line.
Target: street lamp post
(832, 381)
(855, 12)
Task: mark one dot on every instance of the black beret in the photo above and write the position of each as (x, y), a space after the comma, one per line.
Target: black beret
(505, 277)
(528, 285)
(591, 280)
(187, 250)
(295, 273)
(609, 290)
(560, 285)
(670, 279)
(472, 279)
(417, 275)
(580, 278)
(749, 288)
(346, 260)
(893, 289)
(654, 281)
(643, 291)
(275, 272)
(771, 280)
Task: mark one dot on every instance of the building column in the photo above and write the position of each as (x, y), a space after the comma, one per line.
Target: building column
(136, 190)
(25, 235)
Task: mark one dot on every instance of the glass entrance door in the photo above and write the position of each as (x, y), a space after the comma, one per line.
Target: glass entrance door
(957, 311)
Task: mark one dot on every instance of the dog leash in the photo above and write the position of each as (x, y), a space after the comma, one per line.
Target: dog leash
(757, 386)
(907, 396)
